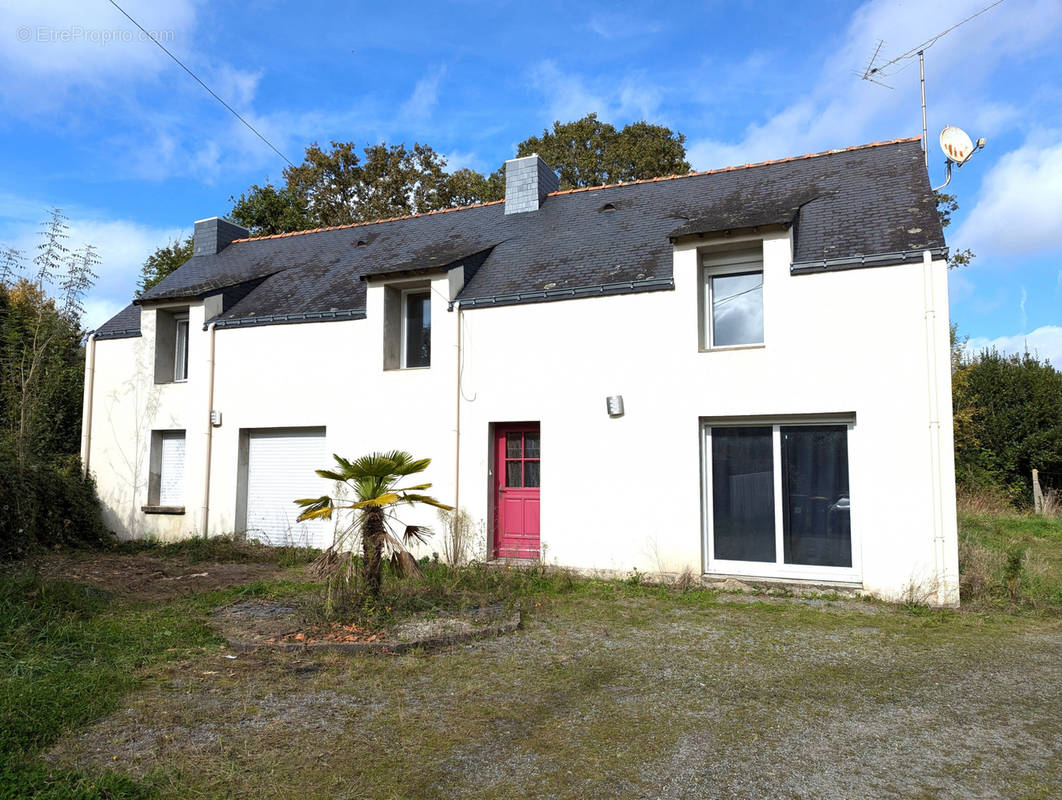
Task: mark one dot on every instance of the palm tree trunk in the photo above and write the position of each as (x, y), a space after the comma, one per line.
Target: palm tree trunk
(372, 537)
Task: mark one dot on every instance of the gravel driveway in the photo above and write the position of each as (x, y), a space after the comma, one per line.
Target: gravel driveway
(613, 695)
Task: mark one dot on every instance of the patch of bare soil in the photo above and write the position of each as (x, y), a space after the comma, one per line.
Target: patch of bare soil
(144, 577)
(250, 624)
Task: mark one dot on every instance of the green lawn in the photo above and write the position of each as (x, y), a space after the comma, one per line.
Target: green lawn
(611, 689)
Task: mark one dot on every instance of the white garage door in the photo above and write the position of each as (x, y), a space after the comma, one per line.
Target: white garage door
(280, 469)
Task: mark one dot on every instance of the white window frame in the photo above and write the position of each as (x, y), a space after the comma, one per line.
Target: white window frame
(404, 325)
(725, 264)
(777, 569)
(180, 364)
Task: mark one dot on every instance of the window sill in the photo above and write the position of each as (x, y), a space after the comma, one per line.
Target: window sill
(730, 347)
(162, 509)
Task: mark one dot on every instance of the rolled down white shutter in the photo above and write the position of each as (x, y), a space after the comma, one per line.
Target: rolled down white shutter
(171, 482)
(280, 469)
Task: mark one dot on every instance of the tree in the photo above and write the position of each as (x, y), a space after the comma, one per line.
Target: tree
(41, 358)
(373, 479)
(164, 261)
(267, 210)
(588, 152)
(1008, 416)
(947, 204)
(41, 375)
(466, 187)
(339, 186)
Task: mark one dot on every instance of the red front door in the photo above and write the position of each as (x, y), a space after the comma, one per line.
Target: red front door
(517, 473)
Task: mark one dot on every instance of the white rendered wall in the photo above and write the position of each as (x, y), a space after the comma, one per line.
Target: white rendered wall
(617, 493)
(127, 406)
(623, 493)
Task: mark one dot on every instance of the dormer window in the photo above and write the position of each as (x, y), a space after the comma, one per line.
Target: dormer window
(732, 299)
(407, 326)
(416, 328)
(171, 345)
(180, 349)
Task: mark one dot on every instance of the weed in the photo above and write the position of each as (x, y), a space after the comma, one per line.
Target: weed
(457, 532)
(230, 548)
(1011, 561)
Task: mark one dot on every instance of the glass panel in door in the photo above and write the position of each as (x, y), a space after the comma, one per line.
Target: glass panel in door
(743, 494)
(816, 511)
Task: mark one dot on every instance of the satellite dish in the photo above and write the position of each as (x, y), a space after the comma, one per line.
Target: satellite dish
(956, 144)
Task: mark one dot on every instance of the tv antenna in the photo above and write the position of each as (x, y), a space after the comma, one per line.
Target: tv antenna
(876, 72)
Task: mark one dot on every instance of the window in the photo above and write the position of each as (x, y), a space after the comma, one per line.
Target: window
(733, 298)
(180, 350)
(166, 477)
(779, 495)
(523, 460)
(407, 326)
(171, 345)
(416, 328)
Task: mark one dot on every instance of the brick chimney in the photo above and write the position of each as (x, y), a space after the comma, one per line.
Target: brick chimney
(527, 182)
(215, 234)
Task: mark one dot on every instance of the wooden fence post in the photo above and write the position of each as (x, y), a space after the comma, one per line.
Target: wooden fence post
(1038, 494)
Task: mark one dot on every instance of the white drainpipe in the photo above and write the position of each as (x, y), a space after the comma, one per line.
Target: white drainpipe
(204, 512)
(86, 408)
(457, 422)
(935, 455)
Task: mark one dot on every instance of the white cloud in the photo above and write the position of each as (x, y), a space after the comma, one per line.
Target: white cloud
(1044, 343)
(840, 109)
(237, 87)
(425, 96)
(1020, 201)
(71, 43)
(568, 97)
(122, 245)
(459, 159)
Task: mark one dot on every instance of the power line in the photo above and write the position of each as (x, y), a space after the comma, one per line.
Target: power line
(729, 297)
(198, 80)
(872, 70)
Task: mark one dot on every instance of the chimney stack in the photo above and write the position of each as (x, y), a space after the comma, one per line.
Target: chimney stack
(527, 182)
(215, 234)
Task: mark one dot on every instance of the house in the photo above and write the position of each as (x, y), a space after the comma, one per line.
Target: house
(739, 372)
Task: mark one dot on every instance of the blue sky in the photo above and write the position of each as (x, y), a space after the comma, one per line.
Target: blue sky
(101, 124)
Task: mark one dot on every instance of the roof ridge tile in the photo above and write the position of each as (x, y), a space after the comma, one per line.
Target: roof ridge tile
(691, 174)
(747, 165)
(367, 222)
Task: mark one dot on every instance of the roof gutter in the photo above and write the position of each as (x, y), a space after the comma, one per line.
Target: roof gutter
(540, 295)
(860, 261)
(117, 333)
(281, 319)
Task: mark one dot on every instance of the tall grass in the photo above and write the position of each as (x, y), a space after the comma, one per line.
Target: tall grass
(66, 657)
(1010, 560)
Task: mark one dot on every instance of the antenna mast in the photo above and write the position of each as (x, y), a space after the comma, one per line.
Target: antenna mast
(922, 79)
(874, 74)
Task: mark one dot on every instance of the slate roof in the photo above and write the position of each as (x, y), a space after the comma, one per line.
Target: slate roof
(866, 205)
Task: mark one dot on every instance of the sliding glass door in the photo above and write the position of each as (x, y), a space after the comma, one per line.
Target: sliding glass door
(778, 500)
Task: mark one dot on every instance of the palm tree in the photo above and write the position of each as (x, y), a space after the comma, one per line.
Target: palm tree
(374, 479)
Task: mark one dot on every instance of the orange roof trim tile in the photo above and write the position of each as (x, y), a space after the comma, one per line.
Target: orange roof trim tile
(901, 140)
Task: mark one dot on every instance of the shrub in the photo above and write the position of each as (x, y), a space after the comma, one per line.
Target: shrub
(44, 505)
